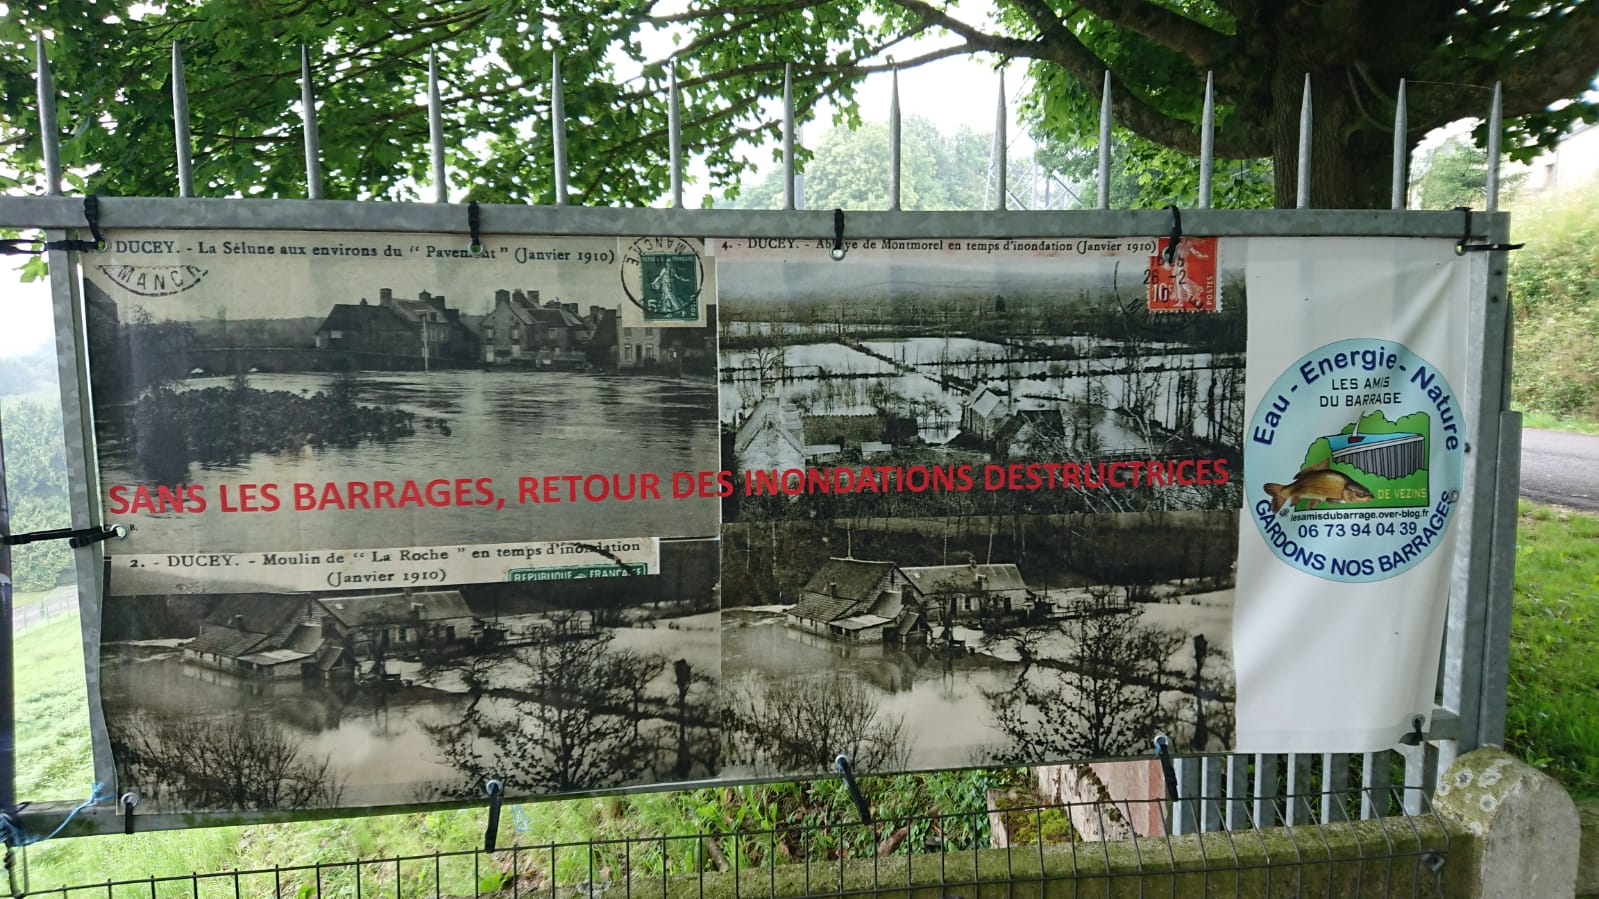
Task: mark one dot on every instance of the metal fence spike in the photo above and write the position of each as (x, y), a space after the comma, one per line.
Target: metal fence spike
(1496, 127)
(1207, 141)
(894, 158)
(1401, 149)
(313, 143)
(180, 124)
(1000, 146)
(1104, 144)
(441, 182)
(788, 136)
(1303, 200)
(558, 130)
(674, 126)
(49, 136)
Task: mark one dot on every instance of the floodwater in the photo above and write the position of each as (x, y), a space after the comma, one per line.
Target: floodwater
(924, 690)
(375, 738)
(502, 425)
(936, 376)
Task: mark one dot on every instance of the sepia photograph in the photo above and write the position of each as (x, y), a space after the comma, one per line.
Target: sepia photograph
(330, 398)
(932, 358)
(302, 701)
(1048, 638)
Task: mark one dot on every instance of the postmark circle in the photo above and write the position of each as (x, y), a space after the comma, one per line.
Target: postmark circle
(663, 276)
(1353, 461)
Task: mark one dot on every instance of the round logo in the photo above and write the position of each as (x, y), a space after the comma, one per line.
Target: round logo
(1352, 462)
(663, 276)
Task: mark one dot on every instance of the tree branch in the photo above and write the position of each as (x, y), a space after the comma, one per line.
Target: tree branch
(1557, 62)
(1202, 44)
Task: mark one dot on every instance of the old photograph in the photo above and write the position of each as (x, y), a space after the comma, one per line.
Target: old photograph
(928, 356)
(283, 701)
(314, 402)
(1048, 638)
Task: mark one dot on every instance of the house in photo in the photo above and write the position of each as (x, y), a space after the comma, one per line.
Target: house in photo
(282, 636)
(423, 331)
(855, 600)
(972, 590)
(520, 330)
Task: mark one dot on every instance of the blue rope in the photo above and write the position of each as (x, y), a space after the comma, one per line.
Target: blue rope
(15, 837)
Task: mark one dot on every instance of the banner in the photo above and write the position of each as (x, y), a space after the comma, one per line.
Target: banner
(583, 513)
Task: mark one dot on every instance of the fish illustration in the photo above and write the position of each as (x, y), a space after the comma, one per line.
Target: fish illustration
(1318, 484)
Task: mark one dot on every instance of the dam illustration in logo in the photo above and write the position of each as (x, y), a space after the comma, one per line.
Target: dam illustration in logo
(1372, 462)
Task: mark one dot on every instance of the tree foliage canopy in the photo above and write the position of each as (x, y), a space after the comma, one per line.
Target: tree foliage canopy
(112, 75)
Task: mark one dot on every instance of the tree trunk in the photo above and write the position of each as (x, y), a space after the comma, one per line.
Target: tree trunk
(1351, 167)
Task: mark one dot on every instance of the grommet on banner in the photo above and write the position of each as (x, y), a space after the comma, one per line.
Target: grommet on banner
(1176, 234)
(128, 801)
(1464, 245)
(838, 240)
(845, 768)
(1168, 771)
(1416, 737)
(474, 221)
(496, 791)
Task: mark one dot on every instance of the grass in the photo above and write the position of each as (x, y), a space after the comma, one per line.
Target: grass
(1550, 422)
(23, 598)
(1553, 718)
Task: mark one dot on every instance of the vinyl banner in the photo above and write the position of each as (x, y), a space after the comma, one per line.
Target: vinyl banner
(583, 513)
(1353, 477)
(402, 517)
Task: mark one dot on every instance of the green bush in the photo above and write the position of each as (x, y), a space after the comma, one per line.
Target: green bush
(1554, 283)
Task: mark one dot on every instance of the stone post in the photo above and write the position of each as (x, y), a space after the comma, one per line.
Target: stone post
(1525, 825)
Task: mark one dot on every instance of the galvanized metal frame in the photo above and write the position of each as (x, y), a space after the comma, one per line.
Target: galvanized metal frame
(1215, 792)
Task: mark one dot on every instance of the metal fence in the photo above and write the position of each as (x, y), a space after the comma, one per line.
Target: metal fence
(1234, 796)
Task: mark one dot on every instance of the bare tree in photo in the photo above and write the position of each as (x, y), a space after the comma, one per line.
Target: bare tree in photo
(234, 764)
(1102, 700)
(803, 724)
(564, 713)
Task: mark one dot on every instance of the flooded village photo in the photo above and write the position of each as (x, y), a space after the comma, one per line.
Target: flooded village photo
(280, 701)
(1072, 621)
(372, 372)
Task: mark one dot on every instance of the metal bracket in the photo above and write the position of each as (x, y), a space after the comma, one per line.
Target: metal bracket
(838, 242)
(1175, 236)
(1416, 735)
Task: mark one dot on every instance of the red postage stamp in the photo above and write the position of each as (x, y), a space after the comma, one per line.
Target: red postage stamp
(1190, 282)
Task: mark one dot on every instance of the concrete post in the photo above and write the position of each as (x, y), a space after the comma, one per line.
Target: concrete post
(1525, 824)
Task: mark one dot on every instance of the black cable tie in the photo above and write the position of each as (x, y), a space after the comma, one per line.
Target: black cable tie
(1416, 737)
(1176, 234)
(128, 801)
(76, 538)
(474, 221)
(848, 770)
(838, 235)
(496, 791)
(91, 215)
(1464, 244)
(1168, 771)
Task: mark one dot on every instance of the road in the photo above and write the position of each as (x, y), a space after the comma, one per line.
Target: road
(1560, 468)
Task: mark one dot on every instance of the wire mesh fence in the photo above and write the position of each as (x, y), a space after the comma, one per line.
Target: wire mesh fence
(1044, 849)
